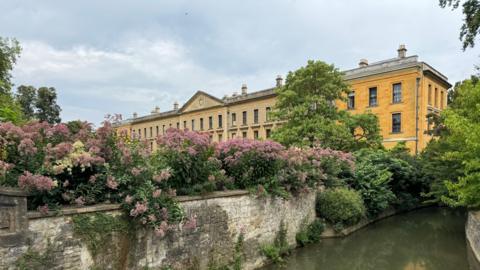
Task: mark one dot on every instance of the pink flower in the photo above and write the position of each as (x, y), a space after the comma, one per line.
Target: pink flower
(5, 167)
(27, 147)
(92, 179)
(139, 209)
(80, 201)
(152, 218)
(36, 182)
(128, 199)
(43, 209)
(66, 184)
(111, 182)
(136, 171)
(159, 232)
(191, 223)
(165, 174)
(211, 178)
(157, 193)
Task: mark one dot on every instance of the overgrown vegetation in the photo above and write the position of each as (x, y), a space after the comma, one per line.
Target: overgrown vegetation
(341, 206)
(33, 259)
(310, 233)
(275, 252)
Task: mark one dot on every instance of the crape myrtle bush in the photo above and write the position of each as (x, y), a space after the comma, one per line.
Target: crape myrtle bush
(72, 164)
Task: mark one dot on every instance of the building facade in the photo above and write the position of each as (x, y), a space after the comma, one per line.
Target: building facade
(401, 91)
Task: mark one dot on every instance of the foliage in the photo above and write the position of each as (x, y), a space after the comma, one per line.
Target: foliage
(306, 101)
(25, 97)
(33, 259)
(97, 230)
(463, 123)
(279, 248)
(10, 110)
(46, 104)
(311, 233)
(307, 105)
(9, 53)
(340, 206)
(471, 21)
(191, 158)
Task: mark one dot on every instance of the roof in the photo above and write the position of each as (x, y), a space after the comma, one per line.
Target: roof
(374, 68)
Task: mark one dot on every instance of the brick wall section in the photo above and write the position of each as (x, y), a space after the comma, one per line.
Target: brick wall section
(220, 218)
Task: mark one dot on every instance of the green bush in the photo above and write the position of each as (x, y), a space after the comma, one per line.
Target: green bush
(311, 234)
(340, 206)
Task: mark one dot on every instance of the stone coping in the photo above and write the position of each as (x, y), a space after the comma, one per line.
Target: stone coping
(72, 210)
(9, 191)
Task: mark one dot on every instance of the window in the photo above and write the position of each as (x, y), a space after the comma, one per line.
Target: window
(210, 122)
(178, 125)
(170, 125)
(397, 93)
(151, 146)
(244, 134)
(151, 132)
(201, 123)
(267, 113)
(429, 94)
(442, 102)
(255, 116)
(210, 138)
(145, 132)
(220, 137)
(184, 124)
(234, 135)
(255, 134)
(268, 133)
(436, 97)
(163, 129)
(351, 100)
(157, 130)
(372, 97)
(396, 122)
(244, 118)
(220, 121)
(139, 133)
(234, 119)
(193, 124)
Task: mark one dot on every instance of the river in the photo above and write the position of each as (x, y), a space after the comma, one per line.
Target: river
(427, 239)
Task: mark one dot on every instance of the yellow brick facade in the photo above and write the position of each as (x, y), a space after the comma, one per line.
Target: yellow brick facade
(423, 90)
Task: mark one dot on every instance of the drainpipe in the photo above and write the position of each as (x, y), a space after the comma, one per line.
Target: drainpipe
(416, 113)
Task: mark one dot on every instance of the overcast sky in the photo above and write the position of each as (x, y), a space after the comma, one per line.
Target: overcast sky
(114, 56)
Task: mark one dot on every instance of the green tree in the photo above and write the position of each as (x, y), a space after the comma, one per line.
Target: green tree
(463, 145)
(46, 104)
(471, 21)
(9, 53)
(307, 105)
(10, 111)
(26, 97)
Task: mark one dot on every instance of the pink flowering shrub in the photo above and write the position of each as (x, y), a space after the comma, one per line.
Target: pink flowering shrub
(250, 162)
(191, 158)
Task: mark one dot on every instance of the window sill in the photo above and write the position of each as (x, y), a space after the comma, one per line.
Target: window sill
(394, 133)
(394, 103)
(372, 106)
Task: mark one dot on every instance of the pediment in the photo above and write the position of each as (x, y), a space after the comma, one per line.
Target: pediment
(201, 100)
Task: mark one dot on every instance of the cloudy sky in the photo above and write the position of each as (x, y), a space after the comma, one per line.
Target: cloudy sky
(115, 56)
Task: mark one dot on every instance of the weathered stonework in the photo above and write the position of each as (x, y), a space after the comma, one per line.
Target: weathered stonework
(221, 217)
(472, 231)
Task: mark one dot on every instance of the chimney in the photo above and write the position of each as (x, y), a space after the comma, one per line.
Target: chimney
(402, 51)
(175, 105)
(244, 89)
(279, 80)
(363, 63)
(135, 115)
(156, 110)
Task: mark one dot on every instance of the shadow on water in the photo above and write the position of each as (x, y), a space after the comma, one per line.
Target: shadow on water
(427, 239)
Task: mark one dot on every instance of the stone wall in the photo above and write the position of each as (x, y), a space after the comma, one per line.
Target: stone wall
(221, 217)
(472, 230)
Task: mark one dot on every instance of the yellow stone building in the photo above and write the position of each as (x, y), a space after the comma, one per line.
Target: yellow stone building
(401, 91)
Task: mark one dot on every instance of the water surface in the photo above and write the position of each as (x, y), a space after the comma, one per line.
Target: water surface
(427, 239)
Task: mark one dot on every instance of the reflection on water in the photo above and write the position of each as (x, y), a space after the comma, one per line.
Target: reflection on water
(427, 239)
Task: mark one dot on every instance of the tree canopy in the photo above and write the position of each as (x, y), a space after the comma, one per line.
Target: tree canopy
(306, 105)
(471, 21)
(46, 104)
